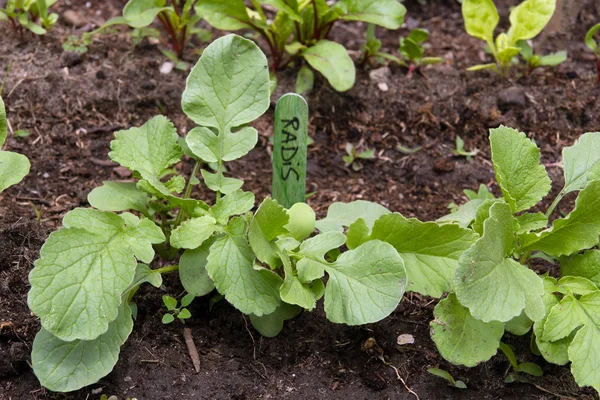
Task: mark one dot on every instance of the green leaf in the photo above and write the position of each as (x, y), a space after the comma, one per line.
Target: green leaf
(386, 13)
(65, 366)
(531, 222)
(530, 368)
(118, 196)
(302, 221)
(187, 299)
(235, 203)
(340, 215)
(579, 160)
(305, 80)
(312, 266)
(144, 274)
(268, 222)
(491, 284)
(228, 87)
(460, 338)
(365, 284)
(271, 324)
(358, 233)
(332, 60)
(141, 13)
(586, 265)
(522, 179)
(465, 214)
(554, 352)
(430, 251)
(148, 150)
(293, 291)
(13, 168)
(192, 270)
(554, 59)
(83, 269)
(411, 49)
(168, 318)
(193, 232)
(169, 302)
(481, 19)
(230, 265)
(418, 35)
(579, 230)
(229, 15)
(589, 37)
(529, 18)
(205, 144)
(480, 67)
(220, 183)
(3, 123)
(566, 317)
(184, 314)
(519, 325)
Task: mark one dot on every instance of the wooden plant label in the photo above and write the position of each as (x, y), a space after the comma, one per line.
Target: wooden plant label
(289, 150)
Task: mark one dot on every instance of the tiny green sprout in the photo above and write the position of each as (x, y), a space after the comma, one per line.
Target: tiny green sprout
(29, 14)
(181, 312)
(408, 150)
(534, 61)
(446, 376)
(594, 46)
(527, 20)
(460, 150)
(526, 368)
(21, 133)
(352, 156)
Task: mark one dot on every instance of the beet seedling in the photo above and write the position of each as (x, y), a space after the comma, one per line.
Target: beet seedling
(594, 46)
(528, 368)
(13, 166)
(461, 152)
(300, 30)
(447, 377)
(32, 15)
(527, 20)
(535, 61)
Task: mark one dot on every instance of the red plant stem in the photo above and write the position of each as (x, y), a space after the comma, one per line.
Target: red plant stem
(316, 21)
(174, 40)
(329, 26)
(598, 68)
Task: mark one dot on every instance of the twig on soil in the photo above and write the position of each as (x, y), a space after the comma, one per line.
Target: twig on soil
(552, 393)
(251, 336)
(408, 389)
(191, 346)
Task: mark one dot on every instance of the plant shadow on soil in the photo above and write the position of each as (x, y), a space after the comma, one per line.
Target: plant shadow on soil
(72, 105)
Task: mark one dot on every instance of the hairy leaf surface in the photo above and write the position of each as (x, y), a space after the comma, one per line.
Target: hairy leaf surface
(579, 161)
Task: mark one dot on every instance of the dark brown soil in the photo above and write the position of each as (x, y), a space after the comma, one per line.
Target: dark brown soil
(72, 104)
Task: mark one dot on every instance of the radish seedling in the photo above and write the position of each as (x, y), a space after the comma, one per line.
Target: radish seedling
(594, 46)
(29, 14)
(534, 61)
(352, 156)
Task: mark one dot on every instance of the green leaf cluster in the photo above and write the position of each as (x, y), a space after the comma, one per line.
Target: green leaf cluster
(32, 15)
(13, 166)
(494, 289)
(527, 20)
(593, 45)
(265, 263)
(300, 28)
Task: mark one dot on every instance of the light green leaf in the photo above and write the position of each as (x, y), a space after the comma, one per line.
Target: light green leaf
(523, 180)
(554, 59)
(519, 325)
(579, 230)
(118, 196)
(3, 124)
(465, 214)
(271, 324)
(205, 144)
(148, 150)
(481, 19)
(480, 67)
(554, 352)
(365, 284)
(358, 233)
(531, 222)
(430, 251)
(13, 168)
(293, 291)
(268, 223)
(82, 271)
(229, 15)
(305, 80)
(235, 203)
(65, 366)
(589, 37)
(579, 160)
(586, 265)
(302, 221)
(229, 86)
(168, 318)
(141, 13)
(144, 274)
(460, 338)
(281, 5)
(386, 13)
(312, 266)
(170, 302)
(529, 18)
(140, 234)
(332, 60)
(340, 215)
(192, 270)
(493, 286)
(193, 232)
(230, 265)
(220, 183)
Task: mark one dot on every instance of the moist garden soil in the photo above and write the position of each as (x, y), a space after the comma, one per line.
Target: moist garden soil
(72, 104)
